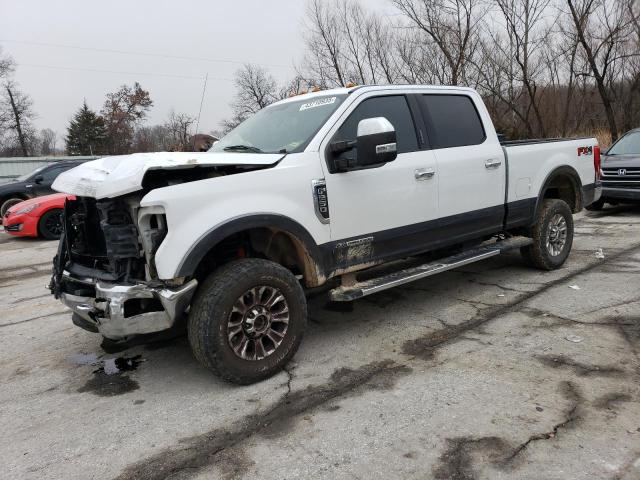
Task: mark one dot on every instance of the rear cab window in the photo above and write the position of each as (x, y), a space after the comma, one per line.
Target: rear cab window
(452, 120)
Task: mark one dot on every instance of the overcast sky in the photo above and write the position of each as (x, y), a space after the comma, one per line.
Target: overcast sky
(231, 31)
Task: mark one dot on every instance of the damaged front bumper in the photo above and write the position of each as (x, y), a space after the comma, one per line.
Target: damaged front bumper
(119, 311)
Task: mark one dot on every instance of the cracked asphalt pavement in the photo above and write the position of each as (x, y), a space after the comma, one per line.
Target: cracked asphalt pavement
(491, 371)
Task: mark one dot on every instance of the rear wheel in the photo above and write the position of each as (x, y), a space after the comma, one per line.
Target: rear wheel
(50, 224)
(8, 203)
(552, 236)
(596, 206)
(247, 320)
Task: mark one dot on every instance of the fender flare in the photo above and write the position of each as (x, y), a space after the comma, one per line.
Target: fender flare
(21, 195)
(209, 240)
(575, 179)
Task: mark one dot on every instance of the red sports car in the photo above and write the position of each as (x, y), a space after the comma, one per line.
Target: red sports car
(37, 217)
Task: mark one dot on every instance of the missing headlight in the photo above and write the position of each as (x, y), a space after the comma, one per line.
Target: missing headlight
(152, 224)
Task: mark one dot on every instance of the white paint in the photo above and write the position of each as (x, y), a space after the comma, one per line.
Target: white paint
(523, 187)
(360, 202)
(371, 126)
(193, 209)
(110, 177)
(366, 201)
(538, 160)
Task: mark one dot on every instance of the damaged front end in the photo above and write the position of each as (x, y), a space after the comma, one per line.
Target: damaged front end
(104, 269)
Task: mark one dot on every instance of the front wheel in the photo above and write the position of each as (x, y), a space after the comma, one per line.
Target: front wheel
(247, 320)
(50, 224)
(552, 236)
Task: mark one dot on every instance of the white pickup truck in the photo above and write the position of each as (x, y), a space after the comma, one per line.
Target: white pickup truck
(355, 189)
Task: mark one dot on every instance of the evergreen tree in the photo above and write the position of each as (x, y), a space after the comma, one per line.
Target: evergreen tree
(86, 134)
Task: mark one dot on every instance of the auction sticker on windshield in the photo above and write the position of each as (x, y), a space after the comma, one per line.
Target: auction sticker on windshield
(318, 103)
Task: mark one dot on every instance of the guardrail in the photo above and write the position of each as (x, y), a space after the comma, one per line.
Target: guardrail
(12, 167)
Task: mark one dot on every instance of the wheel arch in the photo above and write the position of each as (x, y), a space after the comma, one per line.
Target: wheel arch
(277, 237)
(15, 195)
(20, 195)
(562, 183)
(41, 215)
(48, 209)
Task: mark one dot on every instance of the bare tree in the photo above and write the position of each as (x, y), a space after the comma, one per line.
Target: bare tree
(630, 93)
(17, 115)
(347, 43)
(155, 138)
(541, 67)
(122, 112)
(7, 65)
(295, 86)
(565, 61)
(526, 38)
(602, 27)
(325, 45)
(451, 25)
(255, 89)
(48, 139)
(178, 126)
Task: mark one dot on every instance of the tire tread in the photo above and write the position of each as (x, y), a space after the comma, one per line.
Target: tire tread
(536, 255)
(209, 298)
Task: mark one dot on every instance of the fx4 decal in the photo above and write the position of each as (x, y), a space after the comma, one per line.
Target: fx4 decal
(585, 151)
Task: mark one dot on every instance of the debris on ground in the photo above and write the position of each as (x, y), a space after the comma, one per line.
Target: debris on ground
(113, 366)
(574, 287)
(599, 254)
(573, 338)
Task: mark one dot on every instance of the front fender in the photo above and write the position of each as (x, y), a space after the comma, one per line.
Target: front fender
(198, 250)
(201, 213)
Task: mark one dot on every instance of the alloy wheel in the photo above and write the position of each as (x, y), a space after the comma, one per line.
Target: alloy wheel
(258, 323)
(556, 235)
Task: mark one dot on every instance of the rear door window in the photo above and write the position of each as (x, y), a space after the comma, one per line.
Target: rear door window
(452, 120)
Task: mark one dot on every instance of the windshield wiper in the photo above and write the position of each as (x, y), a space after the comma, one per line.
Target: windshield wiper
(242, 148)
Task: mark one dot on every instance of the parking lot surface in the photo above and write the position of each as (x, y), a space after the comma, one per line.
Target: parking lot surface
(491, 371)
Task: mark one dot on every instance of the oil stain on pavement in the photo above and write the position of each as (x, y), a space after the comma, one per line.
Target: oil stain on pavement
(110, 378)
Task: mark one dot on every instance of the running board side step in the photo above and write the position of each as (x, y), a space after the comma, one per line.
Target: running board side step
(348, 293)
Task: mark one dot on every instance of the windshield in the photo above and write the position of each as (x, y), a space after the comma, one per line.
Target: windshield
(27, 176)
(627, 145)
(281, 128)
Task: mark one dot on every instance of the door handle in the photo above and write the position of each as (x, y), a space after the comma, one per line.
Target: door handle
(492, 163)
(424, 173)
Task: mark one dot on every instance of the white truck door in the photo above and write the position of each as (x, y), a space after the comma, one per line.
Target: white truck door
(372, 209)
(471, 165)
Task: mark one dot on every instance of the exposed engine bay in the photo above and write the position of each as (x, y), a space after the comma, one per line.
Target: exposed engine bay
(105, 269)
(102, 237)
(114, 239)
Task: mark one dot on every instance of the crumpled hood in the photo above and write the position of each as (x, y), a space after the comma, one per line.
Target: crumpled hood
(114, 176)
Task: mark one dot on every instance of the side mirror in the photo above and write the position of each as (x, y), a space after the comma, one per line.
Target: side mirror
(374, 146)
(376, 142)
(39, 179)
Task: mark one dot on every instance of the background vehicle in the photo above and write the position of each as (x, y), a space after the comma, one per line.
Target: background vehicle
(621, 171)
(312, 191)
(37, 217)
(34, 184)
